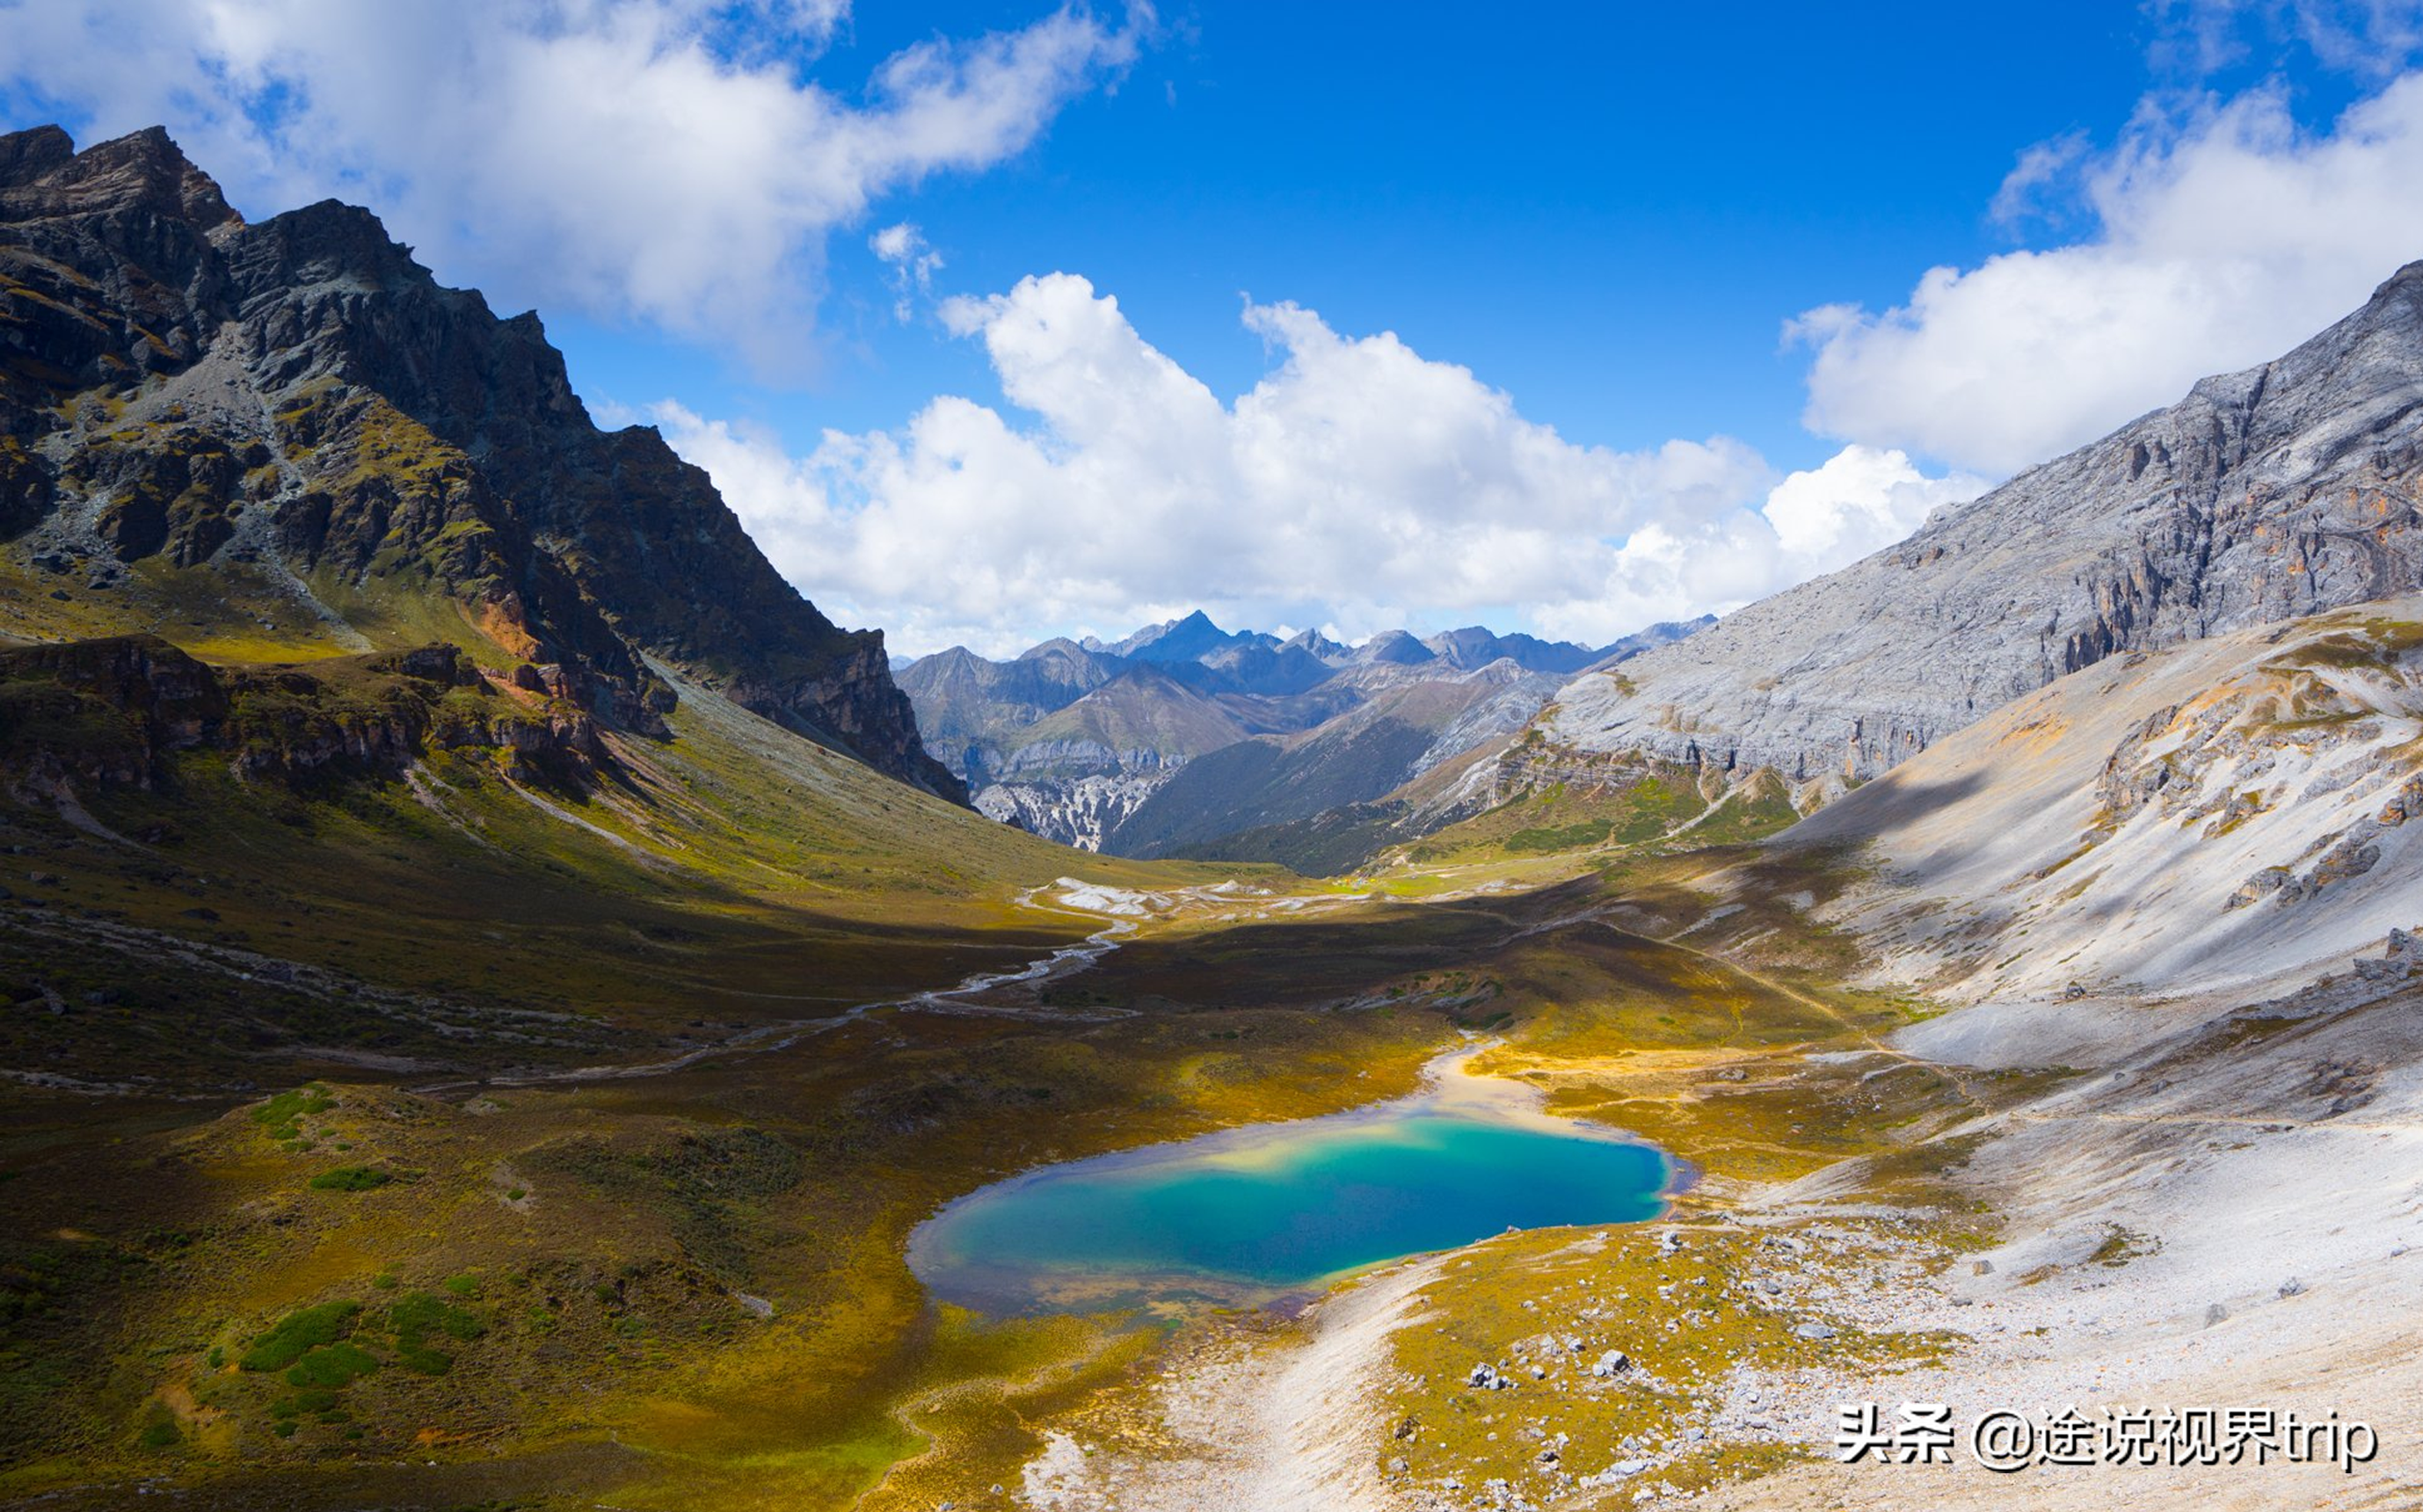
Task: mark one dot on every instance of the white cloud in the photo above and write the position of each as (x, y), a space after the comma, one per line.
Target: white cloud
(1860, 500)
(1358, 486)
(665, 159)
(912, 263)
(2224, 237)
(2040, 167)
(2369, 38)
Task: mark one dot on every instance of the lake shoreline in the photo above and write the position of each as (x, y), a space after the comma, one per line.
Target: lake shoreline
(1174, 1225)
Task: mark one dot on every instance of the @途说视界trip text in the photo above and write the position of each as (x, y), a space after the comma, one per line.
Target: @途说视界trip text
(2004, 1441)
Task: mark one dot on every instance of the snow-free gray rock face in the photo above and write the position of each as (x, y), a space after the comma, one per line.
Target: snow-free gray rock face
(2282, 491)
(1072, 738)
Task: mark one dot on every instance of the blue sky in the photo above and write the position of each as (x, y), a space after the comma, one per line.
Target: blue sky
(1607, 212)
(1564, 320)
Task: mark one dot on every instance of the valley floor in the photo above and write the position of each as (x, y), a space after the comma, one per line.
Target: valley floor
(2117, 1252)
(642, 1259)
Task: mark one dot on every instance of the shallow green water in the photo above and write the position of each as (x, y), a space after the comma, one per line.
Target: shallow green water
(1266, 1209)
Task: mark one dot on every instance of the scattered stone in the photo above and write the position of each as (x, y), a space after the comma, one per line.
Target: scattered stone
(2292, 1286)
(1812, 1330)
(2215, 1313)
(1614, 1363)
(2262, 885)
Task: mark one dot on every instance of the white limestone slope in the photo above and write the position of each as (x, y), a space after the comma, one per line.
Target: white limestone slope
(2185, 881)
(2217, 815)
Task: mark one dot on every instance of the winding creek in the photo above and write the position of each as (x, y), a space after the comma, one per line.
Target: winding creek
(1246, 1215)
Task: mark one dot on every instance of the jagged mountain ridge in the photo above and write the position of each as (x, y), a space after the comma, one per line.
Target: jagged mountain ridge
(1363, 754)
(1075, 739)
(2282, 491)
(297, 408)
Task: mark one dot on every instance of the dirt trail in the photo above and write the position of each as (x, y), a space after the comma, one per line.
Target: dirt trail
(1270, 1427)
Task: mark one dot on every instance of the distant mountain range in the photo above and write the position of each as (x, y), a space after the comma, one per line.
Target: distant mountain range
(1183, 733)
(2280, 492)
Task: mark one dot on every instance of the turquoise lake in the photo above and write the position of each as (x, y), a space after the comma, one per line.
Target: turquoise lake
(1253, 1213)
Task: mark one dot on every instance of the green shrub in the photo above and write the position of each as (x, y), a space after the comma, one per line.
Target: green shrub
(332, 1366)
(418, 1315)
(277, 1115)
(299, 1331)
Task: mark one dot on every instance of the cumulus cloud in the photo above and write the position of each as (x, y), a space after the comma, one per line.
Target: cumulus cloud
(1357, 485)
(1860, 500)
(2223, 237)
(664, 158)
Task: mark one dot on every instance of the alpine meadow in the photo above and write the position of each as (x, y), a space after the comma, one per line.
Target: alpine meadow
(1727, 810)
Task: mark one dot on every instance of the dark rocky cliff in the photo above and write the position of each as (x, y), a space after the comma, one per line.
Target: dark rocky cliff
(299, 397)
(117, 710)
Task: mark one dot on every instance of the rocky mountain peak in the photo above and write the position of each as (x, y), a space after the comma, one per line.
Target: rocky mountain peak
(302, 390)
(1314, 643)
(1183, 639)
(144, 172)
(328, 242)
(1395, 647)
(2277, 492)
(26, 155)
